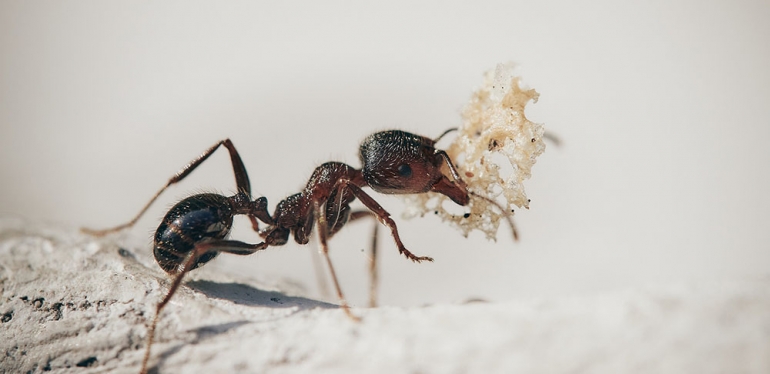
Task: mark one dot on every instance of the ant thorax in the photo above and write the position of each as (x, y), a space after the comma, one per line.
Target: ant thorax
(494, 128)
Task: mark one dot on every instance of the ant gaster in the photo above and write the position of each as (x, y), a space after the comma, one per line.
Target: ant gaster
(196, 229)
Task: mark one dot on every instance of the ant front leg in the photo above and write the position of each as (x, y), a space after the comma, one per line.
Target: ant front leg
(228, 246)
(384, 217)
(241, 180)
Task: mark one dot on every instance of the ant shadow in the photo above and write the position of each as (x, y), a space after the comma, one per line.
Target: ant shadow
(244, 294)
(240, 294)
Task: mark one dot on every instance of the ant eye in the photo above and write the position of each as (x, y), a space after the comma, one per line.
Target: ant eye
(404, 170)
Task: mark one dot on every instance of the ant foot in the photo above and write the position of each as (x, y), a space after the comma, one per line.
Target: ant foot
(350, 314)
(95, 233)
(414, 258)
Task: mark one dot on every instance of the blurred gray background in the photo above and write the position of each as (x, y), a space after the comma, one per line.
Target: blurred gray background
(662, 107)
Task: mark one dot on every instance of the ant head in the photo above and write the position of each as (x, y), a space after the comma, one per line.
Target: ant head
(398, 162)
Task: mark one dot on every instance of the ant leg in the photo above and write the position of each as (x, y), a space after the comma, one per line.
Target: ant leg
(241, 180)
(384, 217)
(373, 276)
(320, 274)
(339, 204)
(228, 246)
(322, 239)
(254, 224)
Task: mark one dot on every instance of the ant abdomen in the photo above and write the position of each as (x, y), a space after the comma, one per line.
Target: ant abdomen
(194, 220)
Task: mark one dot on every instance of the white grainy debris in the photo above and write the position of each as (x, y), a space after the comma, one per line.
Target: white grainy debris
(494, 128)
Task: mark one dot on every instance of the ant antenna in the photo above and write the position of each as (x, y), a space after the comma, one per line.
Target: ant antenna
(506, 213)
(553, 138)
(444, 133)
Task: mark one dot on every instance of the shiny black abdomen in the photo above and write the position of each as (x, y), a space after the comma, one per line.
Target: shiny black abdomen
(194, 220)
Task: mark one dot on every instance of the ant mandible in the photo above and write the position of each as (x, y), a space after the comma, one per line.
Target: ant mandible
(196, 229)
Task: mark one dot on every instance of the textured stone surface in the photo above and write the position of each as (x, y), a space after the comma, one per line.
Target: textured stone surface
(71, 303)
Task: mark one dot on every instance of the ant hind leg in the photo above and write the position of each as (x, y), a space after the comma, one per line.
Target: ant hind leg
(241, 180)
(228, 246)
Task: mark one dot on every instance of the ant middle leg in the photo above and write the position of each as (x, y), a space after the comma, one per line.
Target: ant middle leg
(241, 181)
(337, 215)
(373, 274)
(322, 227)
(227, 246)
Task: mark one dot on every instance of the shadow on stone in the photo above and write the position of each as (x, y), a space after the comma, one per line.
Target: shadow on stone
(244, 294)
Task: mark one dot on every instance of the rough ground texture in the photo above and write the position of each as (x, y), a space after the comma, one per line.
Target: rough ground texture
(71, 303)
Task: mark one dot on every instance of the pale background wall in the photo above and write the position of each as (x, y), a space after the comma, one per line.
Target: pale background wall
(662, 106)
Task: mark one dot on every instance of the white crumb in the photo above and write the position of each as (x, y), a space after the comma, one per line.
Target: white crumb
(494, 127)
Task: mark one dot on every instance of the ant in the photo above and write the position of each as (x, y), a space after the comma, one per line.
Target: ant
(196, 229)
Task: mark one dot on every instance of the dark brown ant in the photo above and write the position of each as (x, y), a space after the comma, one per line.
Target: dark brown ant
(196, 229)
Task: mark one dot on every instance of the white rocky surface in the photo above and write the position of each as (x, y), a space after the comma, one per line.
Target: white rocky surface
(71, 303)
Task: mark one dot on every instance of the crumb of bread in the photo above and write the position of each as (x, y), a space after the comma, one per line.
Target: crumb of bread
(494, 125)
